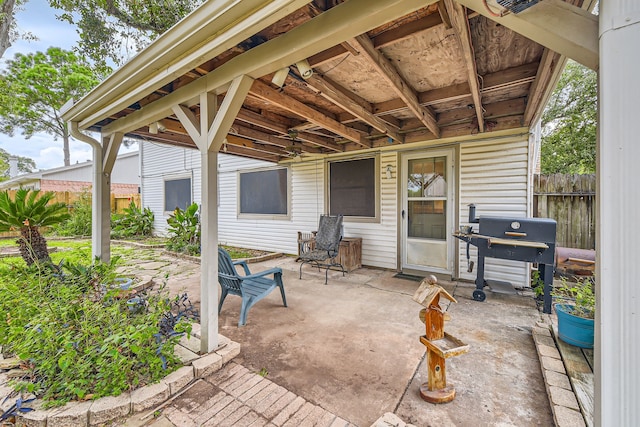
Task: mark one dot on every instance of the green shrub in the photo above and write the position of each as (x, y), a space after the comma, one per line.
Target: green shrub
(79, 337)
(184, 230)
(79, 223)
(133, 222)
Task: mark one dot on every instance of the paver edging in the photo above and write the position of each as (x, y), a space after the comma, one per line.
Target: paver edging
(149, 396)
(560, 411)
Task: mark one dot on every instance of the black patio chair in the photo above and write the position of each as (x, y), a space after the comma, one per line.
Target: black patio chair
(326, 246)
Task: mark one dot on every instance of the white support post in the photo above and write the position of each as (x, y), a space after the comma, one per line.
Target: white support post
(209, 252)
(617, 344)
(100, 209)
(208, 133)
(209, 227)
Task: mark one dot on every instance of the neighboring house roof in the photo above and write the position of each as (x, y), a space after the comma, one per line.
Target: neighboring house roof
(60, 172)
(358, 74)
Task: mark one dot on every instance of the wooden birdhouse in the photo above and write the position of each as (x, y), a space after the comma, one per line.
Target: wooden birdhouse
(440, 345)
(428, 295)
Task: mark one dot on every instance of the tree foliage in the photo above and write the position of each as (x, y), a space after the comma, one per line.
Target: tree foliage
(116, 29)
(8, 29)
(569, 123)
(25, 164)
(28, 211)
(33, 88)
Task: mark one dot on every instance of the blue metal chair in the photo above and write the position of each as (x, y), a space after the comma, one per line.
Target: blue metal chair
(250, 287)
(326, 246)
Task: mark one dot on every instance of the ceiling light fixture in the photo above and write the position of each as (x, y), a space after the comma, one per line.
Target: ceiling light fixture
(304, 68)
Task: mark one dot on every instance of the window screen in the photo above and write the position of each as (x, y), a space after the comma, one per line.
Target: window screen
(352, 188)
(264, 192)
(177, 194)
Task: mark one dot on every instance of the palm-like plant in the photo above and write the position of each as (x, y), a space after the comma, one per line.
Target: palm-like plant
(27, 212)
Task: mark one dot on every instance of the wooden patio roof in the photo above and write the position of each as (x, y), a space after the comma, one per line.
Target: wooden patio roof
(440, 71)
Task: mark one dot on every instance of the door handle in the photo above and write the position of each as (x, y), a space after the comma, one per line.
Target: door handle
(402, 213)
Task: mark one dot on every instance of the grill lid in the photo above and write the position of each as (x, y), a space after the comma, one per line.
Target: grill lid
(531, 229)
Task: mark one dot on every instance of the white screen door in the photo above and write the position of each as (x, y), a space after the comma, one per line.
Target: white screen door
(427, 211)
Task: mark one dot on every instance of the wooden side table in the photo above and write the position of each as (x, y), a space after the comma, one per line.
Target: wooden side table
(350, 253)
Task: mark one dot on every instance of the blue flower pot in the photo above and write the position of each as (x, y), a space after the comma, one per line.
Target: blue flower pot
(572, 329)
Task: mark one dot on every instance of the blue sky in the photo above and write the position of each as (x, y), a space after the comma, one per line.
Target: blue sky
(39, 19)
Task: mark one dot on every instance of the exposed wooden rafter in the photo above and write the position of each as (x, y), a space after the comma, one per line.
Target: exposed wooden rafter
(548, 73)
(352, 103)
(288, 103)
(383, 39)
(555, 24)
(460, 24)
(388, 71)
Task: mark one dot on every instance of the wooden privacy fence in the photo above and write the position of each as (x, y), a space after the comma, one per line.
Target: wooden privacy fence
(118, 202)
(571, 201)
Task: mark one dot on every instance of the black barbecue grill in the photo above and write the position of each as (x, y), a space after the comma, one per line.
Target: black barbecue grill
(519, 239)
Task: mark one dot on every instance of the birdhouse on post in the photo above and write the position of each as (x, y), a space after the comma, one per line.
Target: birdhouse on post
(440, 345)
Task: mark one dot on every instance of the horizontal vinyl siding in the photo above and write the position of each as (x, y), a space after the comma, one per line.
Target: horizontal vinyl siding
(380, 239)
(160, 162)
(493, 176)
(307, 203)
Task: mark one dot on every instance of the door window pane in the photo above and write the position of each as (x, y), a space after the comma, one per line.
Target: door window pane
(428, 219)
(427, 177)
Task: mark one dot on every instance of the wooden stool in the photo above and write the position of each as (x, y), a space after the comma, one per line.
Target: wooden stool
(440, 345)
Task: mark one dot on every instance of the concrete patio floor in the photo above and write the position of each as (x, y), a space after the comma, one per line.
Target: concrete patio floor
(352, 347)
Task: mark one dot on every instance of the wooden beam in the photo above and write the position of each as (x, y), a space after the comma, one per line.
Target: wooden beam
(402, 88)
(190, 123)
(444, 14)
(247, 143)
(229, 108)
(217, 27)
(335, 52)
(281, 142)
(551, 65)
(352, 103)
(251, 154)
(111, 152)
(549, 71)
(494, 81)
(460, 24)
(405, 31)
(249, 116)
(281, 100)
(561, 27)
(264, 122)
(336, 25)
(383, 39)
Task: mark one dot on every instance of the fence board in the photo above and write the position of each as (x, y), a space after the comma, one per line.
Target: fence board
(570, 200)
(118, 203)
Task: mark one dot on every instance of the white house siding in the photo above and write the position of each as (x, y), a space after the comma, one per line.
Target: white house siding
(494, 177)
(307, 201)
(126, 170)
(158, 163)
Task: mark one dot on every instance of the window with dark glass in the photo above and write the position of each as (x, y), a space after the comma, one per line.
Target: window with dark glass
(264, 192)
(352, 188)
(177, 194)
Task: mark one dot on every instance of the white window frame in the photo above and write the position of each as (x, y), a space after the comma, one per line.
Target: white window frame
(242, 215)
(175, 178)
(376, 179)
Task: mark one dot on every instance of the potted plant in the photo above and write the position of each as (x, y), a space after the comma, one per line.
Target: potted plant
(576, 311)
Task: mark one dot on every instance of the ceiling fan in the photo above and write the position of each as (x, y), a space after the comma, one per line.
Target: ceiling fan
(295, 149)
